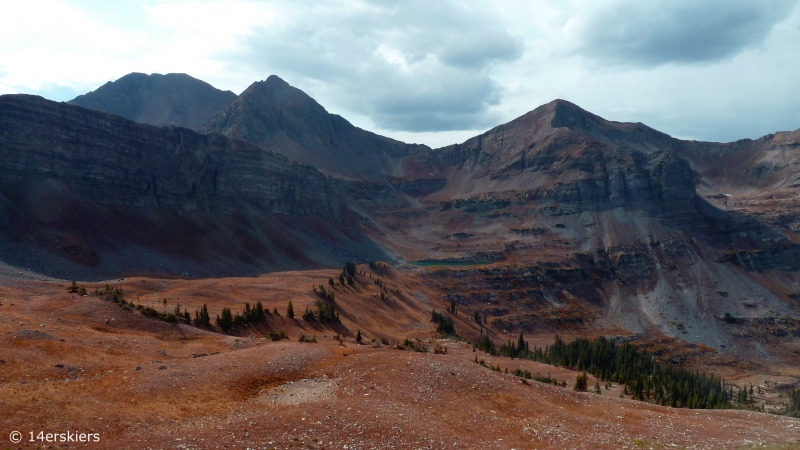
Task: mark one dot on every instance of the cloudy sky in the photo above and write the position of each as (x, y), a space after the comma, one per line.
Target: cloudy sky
(437, 72)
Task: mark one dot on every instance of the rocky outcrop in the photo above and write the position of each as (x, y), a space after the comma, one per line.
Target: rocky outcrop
(785, 258)
(118, 162)
(660, 184)
(162, 100)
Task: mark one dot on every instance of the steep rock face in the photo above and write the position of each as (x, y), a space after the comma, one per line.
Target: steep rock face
(116, 161)
(161, 100)
(660, 184)
(572, 161)
(88, 194)
(282, 118)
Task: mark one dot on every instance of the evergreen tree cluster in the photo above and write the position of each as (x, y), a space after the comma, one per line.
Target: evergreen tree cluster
(527, 375)
(378, 267)
(202, 318)
(382, 296)
(75, 289)
(515, 350)
(793, 409)
(644, 378)
(227, 320)
(110, 294)
(325, 293)
(451, 308)
(326, 313)
(444, 324)
(485, 344)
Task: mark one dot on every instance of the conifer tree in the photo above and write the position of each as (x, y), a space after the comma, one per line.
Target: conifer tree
(258, 312)
(206, 318)
(290, 310)
(225, 320)
(581, 383)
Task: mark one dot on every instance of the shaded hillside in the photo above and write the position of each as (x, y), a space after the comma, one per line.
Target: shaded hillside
(161, 100)
(95, 194)
(282, 118)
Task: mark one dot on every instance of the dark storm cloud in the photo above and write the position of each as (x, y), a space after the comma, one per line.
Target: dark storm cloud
(409, 66)
(648, 33)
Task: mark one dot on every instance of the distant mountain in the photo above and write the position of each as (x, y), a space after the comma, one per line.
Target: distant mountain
(284, 119)
(571, 161)
(161, 100)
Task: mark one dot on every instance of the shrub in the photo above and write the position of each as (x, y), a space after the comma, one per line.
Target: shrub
(277, 335)
(304, 338)
(415, 345)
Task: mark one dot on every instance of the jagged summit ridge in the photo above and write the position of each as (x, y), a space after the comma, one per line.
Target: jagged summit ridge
(275, 115)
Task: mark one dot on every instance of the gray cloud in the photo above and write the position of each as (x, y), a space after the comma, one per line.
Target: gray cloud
(409, 65)
(648, 33)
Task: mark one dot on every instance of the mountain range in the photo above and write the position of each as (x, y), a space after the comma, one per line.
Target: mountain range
(557, 219)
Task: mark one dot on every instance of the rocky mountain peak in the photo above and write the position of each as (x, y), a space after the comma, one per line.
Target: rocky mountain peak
(173, 99)
(283, 118)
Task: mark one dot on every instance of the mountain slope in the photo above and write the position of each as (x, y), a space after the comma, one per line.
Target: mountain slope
(572, 222)
(161, 100)
(277, 116)
(95, 194)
